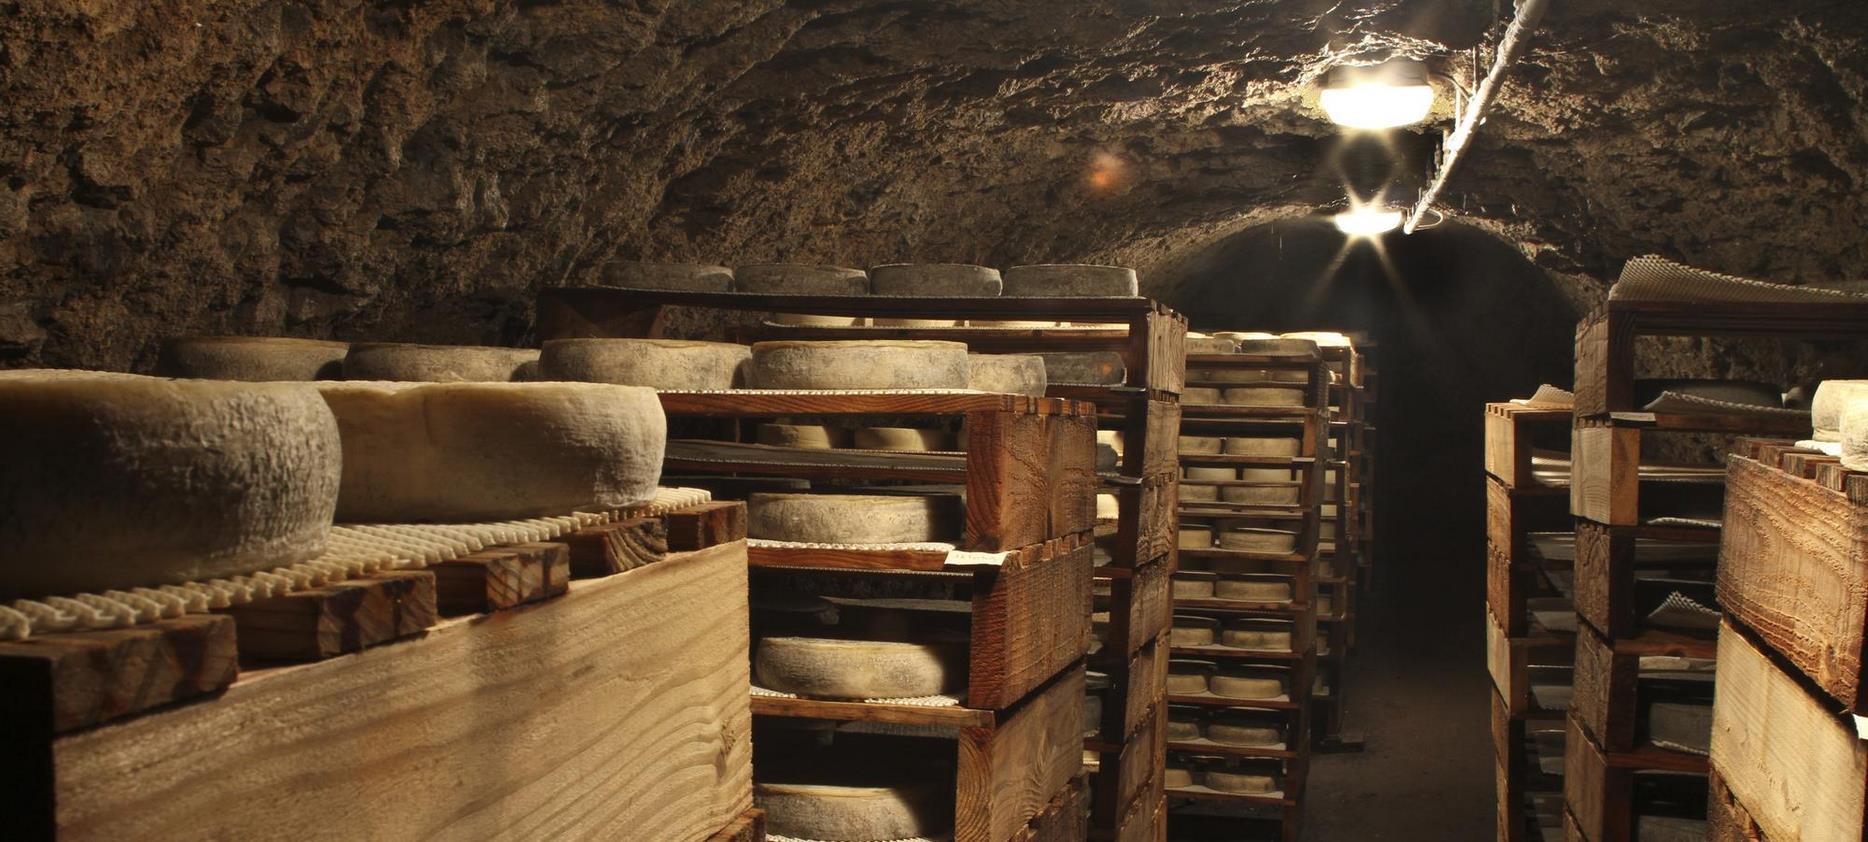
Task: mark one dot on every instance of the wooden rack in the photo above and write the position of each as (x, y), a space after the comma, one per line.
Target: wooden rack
(417, 736)
(1345, 555)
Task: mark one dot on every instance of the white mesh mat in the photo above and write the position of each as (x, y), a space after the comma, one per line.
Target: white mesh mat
(1680, 611)
(774, 837)
(351, 551)
(941, 700)
(1548, 397)
(1653, 278)
(955, 557)
(1680, 403)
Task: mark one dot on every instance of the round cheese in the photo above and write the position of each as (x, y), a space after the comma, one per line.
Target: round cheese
(1854, 433)
(800, 279)
(1193, 631)
(1200, 396)
(1240, 782)
(854, 518)
(1199, 493)
(1187, 677)
(1200, 445)
(111, 481)
(1091, 368)
(435, 363)
(689, 277)
(1202, 473)
(254, 358)
(1256, 638)
(833, 813)
(1015, 374)
(1209, 345)
(827, 668)
(1245, 684)
(1071, 280)
(1274, 448)
(455, 452)
(1252, 590)
(1261, 495)
(879, 364)
(1193, 584)
(1234, 731)
(956, 280)
(666, 364)
(1176, 777)
(1195, 537)
(814, 436)
(906, 439)
(1826, 407)
(1263, 396)
(1259, 540)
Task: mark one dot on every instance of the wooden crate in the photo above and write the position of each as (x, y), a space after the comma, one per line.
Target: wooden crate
(1791, 763)
(1510, 431)
(1598, 785)
(1793, 566)
(1010, 766)
(1726, 819)
(1064, 820)
(1138, 685)
(1128, 775)
(1140, 605)
(1605, 571)
(1604, 699)
(1509, 660)
(446, 734)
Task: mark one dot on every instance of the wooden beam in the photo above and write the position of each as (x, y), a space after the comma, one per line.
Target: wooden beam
(498, 579)
(348, 616)
(705, 525)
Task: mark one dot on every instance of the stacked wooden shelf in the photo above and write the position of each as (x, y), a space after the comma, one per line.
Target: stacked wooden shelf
(1616, 775)
(1787, 759)
(603, 698)
(1343, 546)
(1528, 555)
(1202, 811)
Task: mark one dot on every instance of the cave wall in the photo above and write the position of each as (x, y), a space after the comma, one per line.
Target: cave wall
(415, 170)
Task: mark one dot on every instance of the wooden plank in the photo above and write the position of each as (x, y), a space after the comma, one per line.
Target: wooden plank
(1141, 682)
(502, 578)
(616, 711)
(1124, 778)
(705, 525)
(1605, 474)
(80, 679)
(1726, 819)
(1141, 607)
(1030, 621)
(1796, 767)
(1598, 796)
(1604, 577)
(953, 716)
(1793, 566)
(1146, 525)
(1063, 820)
(335, 619)
(1603, 691)
(749, 827)
(611, 548)
(1604, 365)
(1009, 774)
(1028, 478)
(1158, 351)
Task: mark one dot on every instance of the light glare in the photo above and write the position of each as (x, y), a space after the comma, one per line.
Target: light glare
(1372, 105)
(1367, 221)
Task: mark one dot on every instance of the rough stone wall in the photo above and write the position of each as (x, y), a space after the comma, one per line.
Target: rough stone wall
(416, 169)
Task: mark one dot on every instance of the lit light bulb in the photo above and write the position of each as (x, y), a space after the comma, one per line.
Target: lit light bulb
(1373, 105)
(1367, 221)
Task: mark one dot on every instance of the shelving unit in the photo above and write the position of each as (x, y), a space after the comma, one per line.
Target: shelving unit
(1344, 544)
(1612, 763)
(1199, 809)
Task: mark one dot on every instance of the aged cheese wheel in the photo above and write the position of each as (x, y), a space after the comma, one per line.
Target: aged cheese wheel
(457, 452)
(1854, 432)
(1199, 493)
(854, 518)
(1107, 459)
(1193, 631)
(667, 364)
(1183, 725)
(256, 358)
(1093, 368)
(1240, 782)
(1325, 605)
(1201, 445)
(1261, 495)
(878, 364)
(1202, 473)
(1195, 537)
(1256, 638)
(1209, 345)
(1188, 677)
(1177, 777)
(836, 813)
(1234, 731)
(1323, 338)
(1200, 396)
(1252, 590)
(1259, 540)
(1265, 474)
(1071, 280)
(1193, 584)
(1246, 684)
(435, 363)
(1275, 448)
(117, 480)
(690, 277)
(814, 436)
(1015, 374)
(827, 668)
(800, 279)
(1826, 407)
(1263, 396)
(906, 439)
(935, 279)
(1108, 507)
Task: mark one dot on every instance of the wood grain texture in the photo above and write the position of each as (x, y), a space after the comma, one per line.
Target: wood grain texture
(1070, 481)
(335, 619)
(1125, 780)
(1597, 796)
(611, 548)
(1063, 820)
(1165, 344)
(1726, 819)
(1012, 466)
(1141, 607)
(1796, 768)
(705, 525)
(502, 578)
(1031, 619)
(1009, 774)
(1605, 363)
(1793, 566)
(1140, 684)
(749, 827)
(1605, 474)
(1147, 522)
(1603, 692)
(616, 711)
(1605, 578)
(84, 678)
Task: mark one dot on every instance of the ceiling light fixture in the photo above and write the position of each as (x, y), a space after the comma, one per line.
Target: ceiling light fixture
(1385, 96)
(1367, 221)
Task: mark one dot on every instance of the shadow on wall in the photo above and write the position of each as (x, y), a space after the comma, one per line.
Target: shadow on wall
(1460, 317)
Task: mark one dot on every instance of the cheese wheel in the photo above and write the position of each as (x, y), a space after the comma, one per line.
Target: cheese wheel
(666, 364)
(1015, 374)
(435, 363)
(1246, 685)
(1195, 537)
(1265, 474)
(253, 358)
(1263, 396)
(1209, 345)
(1199, 493)
(1193, 631)
(813, 436)
(1252, 590)
(878, 364)
(1826, 407)
(1200, 396)
(1325, 605)
(915, 322)
(854, 518)
(1269, 447)
(1107, 507)
(827, 668)
(1182, 725)
(834, 813)
(905, 439)
(942, 280)
(1093, 368)
(1193, 584)
(1854, 431)
(1261, 495)
(456, 452)
(800, 279)
(1187, 677)
(807, 320)
(112, 481)
(1201, 445)
(1234, 731)
(1176, 777)
(1113, 438)
(1257, 638)
(1071, 280)
(690, 277)
(1202, 473)
(1323, 338)
(1240, 782)
(1259, 540)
